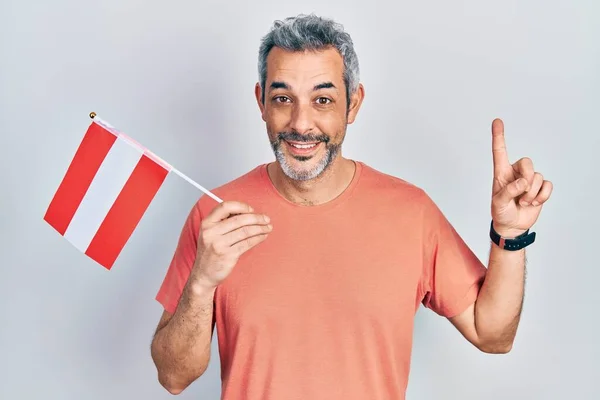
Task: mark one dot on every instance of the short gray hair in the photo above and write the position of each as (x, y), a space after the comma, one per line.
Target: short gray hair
(310, 32)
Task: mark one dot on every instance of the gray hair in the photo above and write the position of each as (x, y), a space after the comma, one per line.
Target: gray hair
(310, 32)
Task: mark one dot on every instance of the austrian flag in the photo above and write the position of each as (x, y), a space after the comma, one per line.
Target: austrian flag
(106, 190)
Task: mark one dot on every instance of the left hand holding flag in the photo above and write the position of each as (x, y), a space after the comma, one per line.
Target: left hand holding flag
(518, 191)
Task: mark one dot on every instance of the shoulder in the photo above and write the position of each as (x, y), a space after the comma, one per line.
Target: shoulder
(402, 200)
(244, 188)
(383, 187)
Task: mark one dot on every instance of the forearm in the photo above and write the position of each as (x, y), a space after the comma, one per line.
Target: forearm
(499, 304)
(181, 349)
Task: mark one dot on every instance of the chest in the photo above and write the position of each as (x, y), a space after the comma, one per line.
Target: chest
(320, 270)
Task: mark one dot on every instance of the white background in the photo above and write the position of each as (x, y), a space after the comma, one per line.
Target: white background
(179, 77)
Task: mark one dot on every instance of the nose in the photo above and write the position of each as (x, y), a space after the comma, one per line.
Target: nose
(302, 119)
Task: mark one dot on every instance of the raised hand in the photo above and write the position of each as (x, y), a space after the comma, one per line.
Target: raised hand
(518, 191)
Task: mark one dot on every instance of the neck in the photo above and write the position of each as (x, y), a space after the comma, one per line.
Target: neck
(326, 187)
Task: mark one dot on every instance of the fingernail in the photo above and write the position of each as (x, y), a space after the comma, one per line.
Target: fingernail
(524, 203)
(267, 219)
(535, 203)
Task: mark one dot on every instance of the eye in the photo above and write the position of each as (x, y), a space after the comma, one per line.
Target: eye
(281, 99)
(323, 101)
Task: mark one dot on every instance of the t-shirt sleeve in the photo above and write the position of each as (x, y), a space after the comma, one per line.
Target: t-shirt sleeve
(452, 274)
(182, 262)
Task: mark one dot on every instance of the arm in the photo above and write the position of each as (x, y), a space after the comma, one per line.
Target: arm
(181, 345)
(518, 194)
(206, 254)
(491, 322)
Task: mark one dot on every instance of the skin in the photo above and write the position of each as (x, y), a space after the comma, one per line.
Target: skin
(305, 94)
(305, 100)
(180, 347)
(518, 194)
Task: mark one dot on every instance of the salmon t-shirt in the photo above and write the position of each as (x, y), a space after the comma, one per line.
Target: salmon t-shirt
(324, 307)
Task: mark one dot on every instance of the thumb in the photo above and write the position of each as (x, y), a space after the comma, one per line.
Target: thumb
(512, 190)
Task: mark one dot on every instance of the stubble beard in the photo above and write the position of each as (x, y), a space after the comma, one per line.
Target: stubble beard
(304, 174)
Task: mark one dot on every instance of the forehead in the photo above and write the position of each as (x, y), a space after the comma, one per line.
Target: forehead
(305, 66)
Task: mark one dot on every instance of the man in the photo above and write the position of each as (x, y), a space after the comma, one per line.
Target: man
(314, 265)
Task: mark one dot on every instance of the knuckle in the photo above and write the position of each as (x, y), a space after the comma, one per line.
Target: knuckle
(218, 249)
(239, 250)
(225, 206)
(204, 238)
(245, 219)
(246, 230)
(525, 162)
(205, 235)
(219, 208)
(261, 238)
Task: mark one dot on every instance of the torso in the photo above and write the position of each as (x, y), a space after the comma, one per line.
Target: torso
(324, 308)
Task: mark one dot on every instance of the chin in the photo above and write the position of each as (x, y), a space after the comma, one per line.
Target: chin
(305, 168)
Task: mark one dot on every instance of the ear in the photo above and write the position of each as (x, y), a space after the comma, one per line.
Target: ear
(356, 100)
(258, 94)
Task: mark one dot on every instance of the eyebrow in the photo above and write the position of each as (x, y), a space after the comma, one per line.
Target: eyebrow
(279, 85)
(324, 85)
(283, 85)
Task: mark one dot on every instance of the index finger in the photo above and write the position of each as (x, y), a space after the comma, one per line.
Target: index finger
(227, 209)
(499, 153)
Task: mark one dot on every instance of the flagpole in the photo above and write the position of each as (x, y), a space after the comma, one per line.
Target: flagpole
(196, 184)
(93, 115)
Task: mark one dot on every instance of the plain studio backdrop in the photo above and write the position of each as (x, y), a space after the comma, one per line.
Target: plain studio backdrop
(179, 78)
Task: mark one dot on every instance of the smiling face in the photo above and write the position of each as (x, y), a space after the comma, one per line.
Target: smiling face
(305, 109)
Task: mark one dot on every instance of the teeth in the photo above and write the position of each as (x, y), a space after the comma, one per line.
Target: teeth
(303, 146)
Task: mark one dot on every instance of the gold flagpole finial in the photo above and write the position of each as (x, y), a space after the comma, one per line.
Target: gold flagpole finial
(92, 115)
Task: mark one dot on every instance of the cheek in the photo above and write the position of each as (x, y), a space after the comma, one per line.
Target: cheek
(333, 125)
(276, 120)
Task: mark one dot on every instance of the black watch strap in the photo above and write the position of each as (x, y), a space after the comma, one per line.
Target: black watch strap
(512, 244)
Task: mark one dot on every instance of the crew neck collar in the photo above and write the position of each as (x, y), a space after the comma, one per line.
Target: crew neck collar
(342, 197)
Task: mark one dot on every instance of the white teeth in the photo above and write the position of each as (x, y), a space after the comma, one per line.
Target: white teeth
(303, 146)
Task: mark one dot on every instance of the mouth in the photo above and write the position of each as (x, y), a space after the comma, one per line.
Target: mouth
(302, 148)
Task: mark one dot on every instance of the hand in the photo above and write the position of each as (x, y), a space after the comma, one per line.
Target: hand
(231, 229)
(518, 192)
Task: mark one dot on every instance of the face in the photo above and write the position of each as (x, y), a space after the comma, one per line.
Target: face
(305, 109)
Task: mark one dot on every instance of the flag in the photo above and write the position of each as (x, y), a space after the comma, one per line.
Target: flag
(105, 192)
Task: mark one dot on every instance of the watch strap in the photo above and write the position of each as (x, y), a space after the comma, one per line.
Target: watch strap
(512, 244)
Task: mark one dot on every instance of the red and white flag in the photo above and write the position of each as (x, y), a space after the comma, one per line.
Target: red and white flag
(106, 190)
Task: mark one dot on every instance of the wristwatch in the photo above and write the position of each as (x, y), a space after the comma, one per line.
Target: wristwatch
(512, 244)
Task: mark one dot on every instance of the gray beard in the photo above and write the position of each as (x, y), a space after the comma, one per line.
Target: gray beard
(331, 152)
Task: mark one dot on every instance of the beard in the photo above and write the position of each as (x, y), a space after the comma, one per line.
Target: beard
(308, 172)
